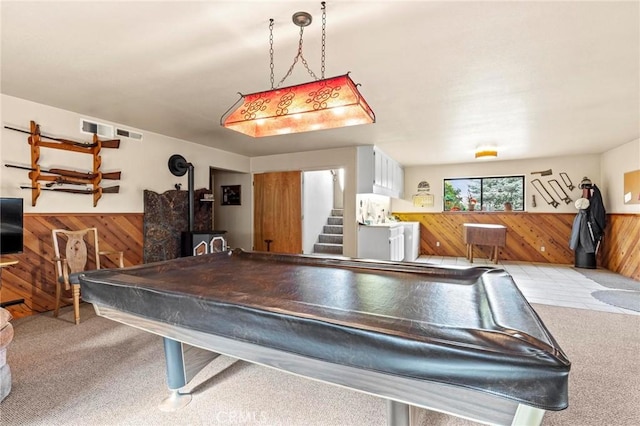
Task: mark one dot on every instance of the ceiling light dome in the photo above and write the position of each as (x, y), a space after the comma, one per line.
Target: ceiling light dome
(486, 153)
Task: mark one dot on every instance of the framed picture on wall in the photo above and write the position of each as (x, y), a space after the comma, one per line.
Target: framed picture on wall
(231, 195)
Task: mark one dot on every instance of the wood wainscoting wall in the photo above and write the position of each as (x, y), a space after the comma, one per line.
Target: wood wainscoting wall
(33, 278)
(527, 233)
(621, 245)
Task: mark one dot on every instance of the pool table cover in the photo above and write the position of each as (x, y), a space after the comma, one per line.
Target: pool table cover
(467, 327)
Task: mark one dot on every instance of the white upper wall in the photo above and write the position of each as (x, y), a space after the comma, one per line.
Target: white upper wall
(576, 167)
(615, 163)
(144, 164)
(605, 170)
(317, 201)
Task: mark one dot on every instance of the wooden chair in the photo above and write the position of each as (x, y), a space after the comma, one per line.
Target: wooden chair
(72, 258)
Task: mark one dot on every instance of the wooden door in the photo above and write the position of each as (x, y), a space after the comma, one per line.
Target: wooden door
(277, 212)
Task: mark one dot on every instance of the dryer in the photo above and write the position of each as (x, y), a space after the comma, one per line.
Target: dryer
(411, 240)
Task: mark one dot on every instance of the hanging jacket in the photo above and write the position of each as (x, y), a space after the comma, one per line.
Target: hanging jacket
(580, 233)
(597, 214)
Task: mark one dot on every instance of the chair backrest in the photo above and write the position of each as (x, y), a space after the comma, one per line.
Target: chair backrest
(72, 246)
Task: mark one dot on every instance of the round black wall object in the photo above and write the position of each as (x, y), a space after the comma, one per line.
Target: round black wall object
(178, 166)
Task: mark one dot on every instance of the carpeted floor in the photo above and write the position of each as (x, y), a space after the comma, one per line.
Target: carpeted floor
(104, 373)
(624, 293)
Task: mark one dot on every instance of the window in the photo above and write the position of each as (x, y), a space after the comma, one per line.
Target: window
(486, 194)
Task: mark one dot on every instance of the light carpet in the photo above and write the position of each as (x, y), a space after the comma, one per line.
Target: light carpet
(104, 373)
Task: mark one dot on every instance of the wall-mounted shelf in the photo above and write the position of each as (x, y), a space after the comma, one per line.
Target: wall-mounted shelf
(94, 178)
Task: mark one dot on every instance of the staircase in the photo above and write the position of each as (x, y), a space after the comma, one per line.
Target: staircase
(330, 241)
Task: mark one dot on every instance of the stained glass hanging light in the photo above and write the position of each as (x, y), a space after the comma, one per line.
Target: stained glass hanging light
(320, 104)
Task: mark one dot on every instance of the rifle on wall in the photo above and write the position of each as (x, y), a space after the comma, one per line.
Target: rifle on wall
(110, 143)
(59, 180)
(68, 176)
(108, 190)
(71, 173)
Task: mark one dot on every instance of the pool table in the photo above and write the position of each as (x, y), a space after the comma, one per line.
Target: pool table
(463, 341)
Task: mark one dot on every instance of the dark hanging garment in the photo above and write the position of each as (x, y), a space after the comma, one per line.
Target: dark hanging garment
(597, 214)
(588, 228)
(580, 233)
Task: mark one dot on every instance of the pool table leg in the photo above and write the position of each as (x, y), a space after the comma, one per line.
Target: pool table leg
(183, 363)
(176, 376)
(398, 414)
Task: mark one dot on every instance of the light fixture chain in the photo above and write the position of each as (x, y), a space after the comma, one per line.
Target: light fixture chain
(304, 61)
(300, 55)
(295, 61)
(324, 37)
(271, 50)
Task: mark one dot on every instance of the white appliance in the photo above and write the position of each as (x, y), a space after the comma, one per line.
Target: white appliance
(411, 240)
(384, 241)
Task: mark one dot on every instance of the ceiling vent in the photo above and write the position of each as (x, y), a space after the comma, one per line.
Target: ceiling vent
(91, 127)
(123, 133)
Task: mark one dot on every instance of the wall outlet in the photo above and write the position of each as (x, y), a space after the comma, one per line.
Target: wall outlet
(437, 243)
(542, 248)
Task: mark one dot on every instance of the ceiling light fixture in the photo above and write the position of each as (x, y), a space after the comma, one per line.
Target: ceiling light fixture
(321, 104)
(486, 153)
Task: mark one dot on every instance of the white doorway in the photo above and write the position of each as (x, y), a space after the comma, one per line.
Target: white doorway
(323, 201)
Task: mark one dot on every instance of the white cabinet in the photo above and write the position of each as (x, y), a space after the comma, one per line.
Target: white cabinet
(377, 168)
(378, 173)
(381, 242)
(397, 184)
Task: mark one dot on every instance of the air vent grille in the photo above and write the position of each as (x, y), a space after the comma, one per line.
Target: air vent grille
(91, 127)
(128, 134)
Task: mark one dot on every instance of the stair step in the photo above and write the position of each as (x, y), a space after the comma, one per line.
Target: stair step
(335, 220)
(332, 229)
(337, 212)
(330, 238)
(327, 248)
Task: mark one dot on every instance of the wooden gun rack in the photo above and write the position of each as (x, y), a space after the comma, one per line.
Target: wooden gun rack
(36, 142)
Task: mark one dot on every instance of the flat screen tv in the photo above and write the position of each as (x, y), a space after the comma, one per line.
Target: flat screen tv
(11, 229)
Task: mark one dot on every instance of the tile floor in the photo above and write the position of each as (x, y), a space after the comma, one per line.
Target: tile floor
(544, 283)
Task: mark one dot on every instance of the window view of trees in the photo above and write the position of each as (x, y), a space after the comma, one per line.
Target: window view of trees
(486, 194)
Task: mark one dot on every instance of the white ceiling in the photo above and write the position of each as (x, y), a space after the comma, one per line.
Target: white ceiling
(534, 79)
